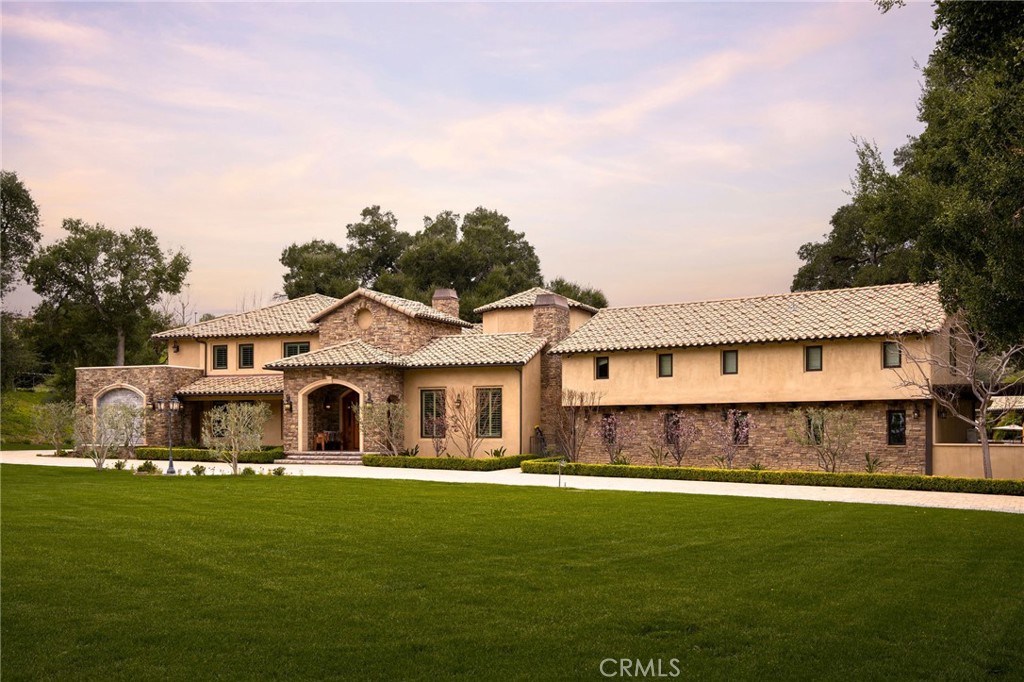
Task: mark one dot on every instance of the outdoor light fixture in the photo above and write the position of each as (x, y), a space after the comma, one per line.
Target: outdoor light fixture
(458, 402)
(942, 413)
(170, 406)
(917, 412)
(369, 397)
(287, 403)
(175, 347)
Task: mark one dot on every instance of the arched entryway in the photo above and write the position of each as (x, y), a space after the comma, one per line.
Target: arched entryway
(331, 418)
(122, 394)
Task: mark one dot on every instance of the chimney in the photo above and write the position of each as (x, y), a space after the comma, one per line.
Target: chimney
(446, 301)
(550, 322)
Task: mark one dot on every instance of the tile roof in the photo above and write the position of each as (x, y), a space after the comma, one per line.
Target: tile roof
(527, 299)
(470, 350)
(402, 305)
(1007, 402)
(244, 384)
(288, 317)
(888, 310)
(476, 350)
(348, 354)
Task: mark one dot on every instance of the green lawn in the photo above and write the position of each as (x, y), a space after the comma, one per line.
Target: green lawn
(110, 576)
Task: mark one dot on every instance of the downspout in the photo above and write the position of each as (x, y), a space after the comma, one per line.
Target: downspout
(520, 370)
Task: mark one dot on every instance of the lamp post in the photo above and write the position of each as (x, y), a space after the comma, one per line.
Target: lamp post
(170, 407)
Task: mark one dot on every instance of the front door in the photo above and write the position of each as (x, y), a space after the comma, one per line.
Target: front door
(350, 422)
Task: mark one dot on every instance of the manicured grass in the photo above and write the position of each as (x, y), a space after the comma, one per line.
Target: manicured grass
(110, 576)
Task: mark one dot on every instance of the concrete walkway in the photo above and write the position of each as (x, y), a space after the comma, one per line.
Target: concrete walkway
(910, 498)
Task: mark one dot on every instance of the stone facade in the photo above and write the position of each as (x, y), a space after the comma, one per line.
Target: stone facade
(380, 383)
(446, 301)
(155, 382)
(387, 329)
(551, 322)
(769, 441)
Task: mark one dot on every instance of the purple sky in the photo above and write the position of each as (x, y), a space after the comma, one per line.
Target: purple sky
(662, 152)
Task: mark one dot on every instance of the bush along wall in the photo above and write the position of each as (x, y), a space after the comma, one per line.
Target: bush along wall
(813, 478)
(450, 463)
(265, 456)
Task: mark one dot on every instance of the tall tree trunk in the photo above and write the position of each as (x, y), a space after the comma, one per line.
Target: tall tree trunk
(986, 455)
(120, 348)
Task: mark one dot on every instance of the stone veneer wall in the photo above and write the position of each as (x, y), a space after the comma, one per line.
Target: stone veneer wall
(551, 322)
(770, 443)
(390, 329)
(446, 301)
(155, 381)
(381, 382)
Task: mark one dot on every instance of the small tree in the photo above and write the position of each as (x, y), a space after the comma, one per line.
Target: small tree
(126, 421)
(828, 431)
(96, 437)
(680, 433)
(575, 418)
(971, 364)
(462, 413)
(55, 424)
(234, 428)
(383, 426)
(440, 436)
(617, 434)
(733, 433)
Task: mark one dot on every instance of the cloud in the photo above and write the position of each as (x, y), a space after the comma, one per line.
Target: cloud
(54, 31)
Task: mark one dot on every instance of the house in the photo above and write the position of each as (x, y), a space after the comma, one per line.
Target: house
(317, 360)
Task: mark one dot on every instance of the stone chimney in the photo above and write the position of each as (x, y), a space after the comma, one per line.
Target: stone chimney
(446, 301)
(550, 322)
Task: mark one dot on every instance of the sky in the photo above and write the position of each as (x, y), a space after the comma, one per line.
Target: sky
(660, 152)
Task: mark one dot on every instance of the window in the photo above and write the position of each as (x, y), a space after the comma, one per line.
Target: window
(246, 357)
(488, 412)
(601, 368)
(220, 357)
(891, 356)
(896, 427)
(741, 428)
(296, 348)
(730, 362)
(665, 365)
(432, 421)
(815, 427)
(812, 359)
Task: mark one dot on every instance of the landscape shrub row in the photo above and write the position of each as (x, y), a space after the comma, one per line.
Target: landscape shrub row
(450, 463)
(814, 478)
(265, 456)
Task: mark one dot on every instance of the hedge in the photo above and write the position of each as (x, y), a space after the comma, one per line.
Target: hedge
(812, 478)
(265, 456)
(450, 463)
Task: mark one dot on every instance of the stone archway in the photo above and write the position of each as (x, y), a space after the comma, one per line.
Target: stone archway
(329, 408)
(122, 394)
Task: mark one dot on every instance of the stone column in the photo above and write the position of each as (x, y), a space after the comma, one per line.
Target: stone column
(550, 322)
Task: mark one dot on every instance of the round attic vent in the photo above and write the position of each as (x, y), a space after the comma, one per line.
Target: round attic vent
(364, 318)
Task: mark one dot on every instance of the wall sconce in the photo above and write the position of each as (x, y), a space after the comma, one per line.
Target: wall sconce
(287, 403)
(369, 397)
(458, 402)
(152, 405)
(917, 412)
(942, 413)
(175, 347)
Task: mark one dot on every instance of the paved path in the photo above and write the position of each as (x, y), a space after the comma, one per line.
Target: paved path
(911, 498)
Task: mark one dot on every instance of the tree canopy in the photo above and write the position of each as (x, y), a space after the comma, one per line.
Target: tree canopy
(478, 254)
(952, 211)
(19, 234)
(103, 283)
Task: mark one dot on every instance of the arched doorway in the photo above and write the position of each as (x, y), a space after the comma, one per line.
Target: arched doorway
(332, 418)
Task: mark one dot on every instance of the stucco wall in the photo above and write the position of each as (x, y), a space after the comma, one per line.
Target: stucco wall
(577, 318)
(770, 442)
(965, 460)
(531, 400)
(467, 379)
(265, 348)
(508, 321)
(388, 328)
(852, 370)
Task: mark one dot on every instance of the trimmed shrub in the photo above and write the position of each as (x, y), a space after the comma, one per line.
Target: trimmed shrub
(811, 478)
(264, 456)
(451, 463)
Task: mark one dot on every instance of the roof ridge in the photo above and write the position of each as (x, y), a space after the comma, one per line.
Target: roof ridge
(765, 297)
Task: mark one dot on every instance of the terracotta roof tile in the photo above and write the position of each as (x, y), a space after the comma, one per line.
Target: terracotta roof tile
(348, 354)
(246, 384)
(402, 305)
(527, 299)
(476, 350)
(888, 310)
(288, 317)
